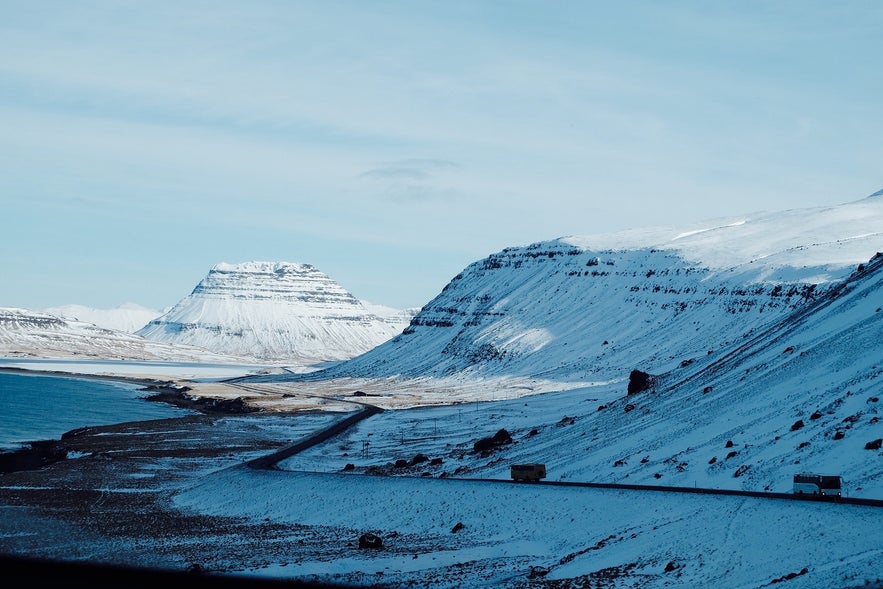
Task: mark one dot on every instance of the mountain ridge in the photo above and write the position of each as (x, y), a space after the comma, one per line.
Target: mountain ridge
(568, 308)
(128, 317)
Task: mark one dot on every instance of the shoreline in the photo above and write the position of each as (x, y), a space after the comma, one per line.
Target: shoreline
(169, 391)
(39, 453)
(85, 376)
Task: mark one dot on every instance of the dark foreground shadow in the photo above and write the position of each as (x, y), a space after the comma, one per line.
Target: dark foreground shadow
(28, 572)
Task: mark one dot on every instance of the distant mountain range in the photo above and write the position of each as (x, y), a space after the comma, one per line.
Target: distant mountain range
(260, 312)
(34, 334)
(129, 317)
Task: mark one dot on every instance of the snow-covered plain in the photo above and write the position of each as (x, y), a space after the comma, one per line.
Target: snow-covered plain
(526, 535)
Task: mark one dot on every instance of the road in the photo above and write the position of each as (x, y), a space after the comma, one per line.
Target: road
(271, 461)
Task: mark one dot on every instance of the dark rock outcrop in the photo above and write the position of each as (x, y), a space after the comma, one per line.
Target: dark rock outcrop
(639, 381)
(487, 444)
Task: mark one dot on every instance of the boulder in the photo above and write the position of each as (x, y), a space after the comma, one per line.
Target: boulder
(369, 540)
(488, 444)
(639, 381)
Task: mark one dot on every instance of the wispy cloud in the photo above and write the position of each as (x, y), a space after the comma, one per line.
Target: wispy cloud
(413, 180)
(410, 169)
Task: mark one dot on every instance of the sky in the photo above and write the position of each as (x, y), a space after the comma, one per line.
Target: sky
(391, 144)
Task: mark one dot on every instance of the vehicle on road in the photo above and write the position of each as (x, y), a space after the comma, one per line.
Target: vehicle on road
(528, 472)
(817, 484)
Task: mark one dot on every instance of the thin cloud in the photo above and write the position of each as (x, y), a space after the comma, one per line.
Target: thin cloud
(410, 169)
(413, 180)
(395, 174)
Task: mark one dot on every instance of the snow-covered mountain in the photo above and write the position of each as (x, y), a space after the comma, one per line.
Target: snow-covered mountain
(758, 340)
(35, 334)
(589, 309)
(128, 317)
(275, 311)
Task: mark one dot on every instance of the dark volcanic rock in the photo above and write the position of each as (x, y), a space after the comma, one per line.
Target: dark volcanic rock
(179, 398)
(36, 455)
(498, 439)
(639, 381)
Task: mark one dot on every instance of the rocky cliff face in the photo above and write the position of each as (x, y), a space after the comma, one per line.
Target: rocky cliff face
(275, 311)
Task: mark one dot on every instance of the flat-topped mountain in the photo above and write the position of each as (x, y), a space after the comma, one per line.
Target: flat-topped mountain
(274, 311)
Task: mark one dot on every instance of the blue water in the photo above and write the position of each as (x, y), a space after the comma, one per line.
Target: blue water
(37, 407)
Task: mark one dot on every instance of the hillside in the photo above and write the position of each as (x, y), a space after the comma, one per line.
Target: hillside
(588, 309)
(752, 377)
(801, 395)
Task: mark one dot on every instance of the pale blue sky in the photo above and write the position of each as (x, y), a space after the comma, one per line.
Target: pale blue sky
(390, 144)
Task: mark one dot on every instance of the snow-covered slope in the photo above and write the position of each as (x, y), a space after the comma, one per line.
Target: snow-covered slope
(128, 317)
(763, 361)
(25, 333)
(589, 309)
(274, 311)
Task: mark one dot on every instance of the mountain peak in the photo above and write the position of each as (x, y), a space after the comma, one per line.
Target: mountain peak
(276, 311)
(263, 267)
(878, 193)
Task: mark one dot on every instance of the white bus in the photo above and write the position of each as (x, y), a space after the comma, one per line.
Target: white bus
(817, 484)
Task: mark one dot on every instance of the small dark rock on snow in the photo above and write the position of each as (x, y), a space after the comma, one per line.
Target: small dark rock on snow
(639, 381)
(487, 444)
(369, 540)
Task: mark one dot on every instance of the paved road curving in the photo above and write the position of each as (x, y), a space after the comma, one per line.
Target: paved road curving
(271, 461)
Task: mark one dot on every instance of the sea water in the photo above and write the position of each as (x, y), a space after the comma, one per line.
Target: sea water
(39, 407)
